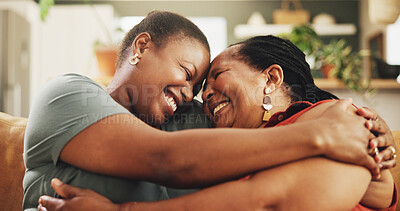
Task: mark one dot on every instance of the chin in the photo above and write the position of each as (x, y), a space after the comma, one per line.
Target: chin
(221, 124)
(154, 119)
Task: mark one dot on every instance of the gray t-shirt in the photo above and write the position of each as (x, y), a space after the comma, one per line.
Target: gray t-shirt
(65, 106)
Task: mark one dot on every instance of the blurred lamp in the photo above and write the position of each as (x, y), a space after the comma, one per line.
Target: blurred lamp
(384, 11)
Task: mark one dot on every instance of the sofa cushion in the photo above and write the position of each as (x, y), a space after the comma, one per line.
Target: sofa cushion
(396, 170)
(12, 168)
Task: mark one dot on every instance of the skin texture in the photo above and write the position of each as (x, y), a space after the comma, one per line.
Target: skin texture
(285, 187)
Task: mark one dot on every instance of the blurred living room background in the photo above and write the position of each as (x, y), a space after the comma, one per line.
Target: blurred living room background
(358, 39)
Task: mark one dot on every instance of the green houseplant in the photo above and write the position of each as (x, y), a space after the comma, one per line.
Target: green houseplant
(333, 60)
(106, 52)
(305, 38)
(339, 61)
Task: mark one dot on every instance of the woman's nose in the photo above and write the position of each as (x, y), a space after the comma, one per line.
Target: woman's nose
(187, 94)
(207, 94)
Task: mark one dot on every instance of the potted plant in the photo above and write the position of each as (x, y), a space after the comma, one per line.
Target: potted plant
(333, 60)
(339, 61)
(106, 52)
(307, 40)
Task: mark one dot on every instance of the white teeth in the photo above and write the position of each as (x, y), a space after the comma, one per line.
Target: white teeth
(171, 102)
(219, 107)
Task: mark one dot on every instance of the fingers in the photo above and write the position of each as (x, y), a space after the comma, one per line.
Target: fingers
(49, 203)
(386, 155)
(344, 103)
(64, 190)
(380, 141)
(41, 208)
(373, 150)
(388, 164)
(367, 113)
(376, 127)
(372, 166)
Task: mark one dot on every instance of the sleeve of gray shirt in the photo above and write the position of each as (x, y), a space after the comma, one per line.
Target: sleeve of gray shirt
(65, 106)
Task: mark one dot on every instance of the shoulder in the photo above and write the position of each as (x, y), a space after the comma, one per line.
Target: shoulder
(318, 109)
(64, 107)
(68, 82)
(67, 89)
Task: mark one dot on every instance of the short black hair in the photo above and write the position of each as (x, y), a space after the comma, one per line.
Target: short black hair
(260, 52)
(162, 25)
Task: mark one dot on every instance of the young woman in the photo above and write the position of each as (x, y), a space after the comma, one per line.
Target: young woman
(89, 138)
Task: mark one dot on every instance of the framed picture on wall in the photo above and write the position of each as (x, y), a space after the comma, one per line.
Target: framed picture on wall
(375, 45)
(378, 64)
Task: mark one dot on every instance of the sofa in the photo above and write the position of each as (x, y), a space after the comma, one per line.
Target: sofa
(12, 168)
(12, 130)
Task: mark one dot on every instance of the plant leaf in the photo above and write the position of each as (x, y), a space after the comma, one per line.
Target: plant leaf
(44, 6)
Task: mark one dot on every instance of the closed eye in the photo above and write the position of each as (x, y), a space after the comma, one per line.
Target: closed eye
(188, 73)
(219, 73)
(216, 75)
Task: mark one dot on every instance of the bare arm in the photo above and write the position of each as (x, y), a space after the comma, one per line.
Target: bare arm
(123, 146)
(380, 192)
(310, 184)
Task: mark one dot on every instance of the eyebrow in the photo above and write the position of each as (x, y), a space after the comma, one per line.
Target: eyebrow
(195, 70)
(189, 63)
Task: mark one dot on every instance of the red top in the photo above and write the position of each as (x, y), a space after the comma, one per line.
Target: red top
(292, 113)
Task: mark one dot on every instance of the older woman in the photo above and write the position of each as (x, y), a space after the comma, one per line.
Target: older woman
(264, 82)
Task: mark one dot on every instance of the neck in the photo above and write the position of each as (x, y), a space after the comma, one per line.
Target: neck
(118, 89)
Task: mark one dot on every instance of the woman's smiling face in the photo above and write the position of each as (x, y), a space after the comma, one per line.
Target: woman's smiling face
(166, 77)
(233, 93)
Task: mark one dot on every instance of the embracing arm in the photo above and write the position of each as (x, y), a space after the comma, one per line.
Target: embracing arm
(380, 192)
(121, 145)
(310, 184)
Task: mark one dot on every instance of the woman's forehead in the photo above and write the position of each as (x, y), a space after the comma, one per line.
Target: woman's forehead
(223, 59)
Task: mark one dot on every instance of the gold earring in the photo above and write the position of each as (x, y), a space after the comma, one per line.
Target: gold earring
(267, 104)
(133, 60)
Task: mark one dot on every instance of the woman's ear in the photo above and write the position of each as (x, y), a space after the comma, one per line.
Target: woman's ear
(274, 75)
(141, 43)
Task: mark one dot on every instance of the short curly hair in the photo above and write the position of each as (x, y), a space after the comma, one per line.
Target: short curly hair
(161, 25)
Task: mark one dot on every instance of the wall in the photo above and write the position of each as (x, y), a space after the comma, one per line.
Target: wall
(68, 39)
(385, 102)
(29, 11)
(236, 11)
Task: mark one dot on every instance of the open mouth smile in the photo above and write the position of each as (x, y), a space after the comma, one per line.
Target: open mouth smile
(218, 106)
(171, 102)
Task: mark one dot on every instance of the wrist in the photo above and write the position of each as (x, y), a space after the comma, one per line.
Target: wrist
(128, 206)
(319, 141)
